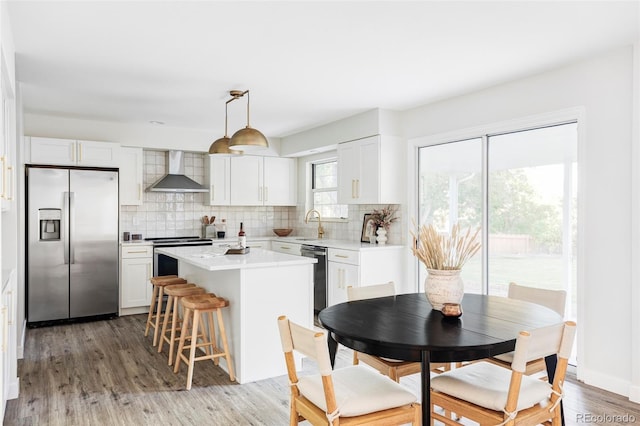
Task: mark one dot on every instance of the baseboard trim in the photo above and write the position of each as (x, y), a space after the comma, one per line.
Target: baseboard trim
(134, 311)
(606, 382)
(634, 394)
(20, 348)
(14, 389)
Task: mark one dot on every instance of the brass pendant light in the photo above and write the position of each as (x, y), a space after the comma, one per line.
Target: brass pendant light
(247, 139)
(221, 146)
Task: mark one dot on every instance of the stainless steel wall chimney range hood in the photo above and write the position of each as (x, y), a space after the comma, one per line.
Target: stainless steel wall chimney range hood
(175, 180)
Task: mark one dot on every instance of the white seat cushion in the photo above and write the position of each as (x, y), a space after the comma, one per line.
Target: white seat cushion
(487, 385)
(508, 357)
(358, 391)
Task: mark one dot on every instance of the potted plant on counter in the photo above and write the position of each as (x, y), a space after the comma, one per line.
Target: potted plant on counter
(383, 219)
(444, 255)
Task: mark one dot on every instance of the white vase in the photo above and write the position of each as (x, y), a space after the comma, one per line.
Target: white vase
(443, 287)
(382, 236)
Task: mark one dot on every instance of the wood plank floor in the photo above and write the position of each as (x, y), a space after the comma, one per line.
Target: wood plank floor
(107, 373)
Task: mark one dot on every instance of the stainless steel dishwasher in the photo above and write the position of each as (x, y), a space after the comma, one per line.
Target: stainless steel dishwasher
(319, 275)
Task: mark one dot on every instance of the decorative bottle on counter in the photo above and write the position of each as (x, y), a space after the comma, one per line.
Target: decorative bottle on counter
(242, 239)
(222, 229)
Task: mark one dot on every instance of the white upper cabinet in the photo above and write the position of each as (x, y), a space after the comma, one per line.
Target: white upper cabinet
(217, 172)
(247, 181)
(131, 176)
(100, 154)
(69, 152)
(263, 181)
(280, 181)
(60, 152)
(7, 158)
(370, 171)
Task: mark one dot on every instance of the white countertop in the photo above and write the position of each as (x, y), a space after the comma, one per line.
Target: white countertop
(339, 244)
(256, 258)
(329, 243)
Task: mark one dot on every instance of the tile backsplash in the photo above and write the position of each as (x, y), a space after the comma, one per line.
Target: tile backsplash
(166, 214)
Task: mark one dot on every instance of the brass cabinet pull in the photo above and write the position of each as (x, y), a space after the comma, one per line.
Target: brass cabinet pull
(10, 169)
(4, 180)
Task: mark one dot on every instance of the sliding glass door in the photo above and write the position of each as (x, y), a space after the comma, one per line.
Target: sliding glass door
(450, 192)
(520, 187)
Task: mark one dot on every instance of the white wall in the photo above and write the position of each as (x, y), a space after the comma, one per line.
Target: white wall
(603, 86)
(128, 134)
(327, 136)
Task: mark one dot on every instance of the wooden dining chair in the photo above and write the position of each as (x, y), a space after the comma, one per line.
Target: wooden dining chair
(552, 299)
(353, 395)
(389, 367)
(488, 394)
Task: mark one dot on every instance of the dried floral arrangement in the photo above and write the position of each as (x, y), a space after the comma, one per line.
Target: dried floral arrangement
(441, 252)
(385, 217)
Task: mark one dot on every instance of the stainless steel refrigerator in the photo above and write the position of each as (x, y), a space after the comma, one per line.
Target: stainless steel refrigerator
(72, 247)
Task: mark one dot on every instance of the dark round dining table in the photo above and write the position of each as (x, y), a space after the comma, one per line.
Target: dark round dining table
(405, 327)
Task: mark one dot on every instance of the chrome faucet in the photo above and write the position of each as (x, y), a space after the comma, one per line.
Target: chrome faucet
(306, 220)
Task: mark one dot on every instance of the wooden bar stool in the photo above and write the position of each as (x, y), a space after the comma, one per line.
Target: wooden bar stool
(155, 307)
(195, 307)
(175, 293)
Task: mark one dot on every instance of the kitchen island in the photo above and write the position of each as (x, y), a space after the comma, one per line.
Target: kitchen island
(260, 286)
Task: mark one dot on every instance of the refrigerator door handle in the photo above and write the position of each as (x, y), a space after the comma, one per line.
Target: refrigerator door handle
(65, 231)
(72, 219)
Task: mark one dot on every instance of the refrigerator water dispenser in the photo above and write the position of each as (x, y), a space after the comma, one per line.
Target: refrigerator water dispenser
(49, 224)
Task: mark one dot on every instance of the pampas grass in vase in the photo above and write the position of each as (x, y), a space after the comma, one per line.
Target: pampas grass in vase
(444, 256)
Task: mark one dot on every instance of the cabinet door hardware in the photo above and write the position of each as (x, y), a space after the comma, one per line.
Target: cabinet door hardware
(4, 179)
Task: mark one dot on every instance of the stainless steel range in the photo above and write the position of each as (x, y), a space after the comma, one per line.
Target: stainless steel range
(165, 265)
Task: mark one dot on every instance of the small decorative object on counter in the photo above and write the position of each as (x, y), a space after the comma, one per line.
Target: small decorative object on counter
(222, 229)
(136, 237)
(383, 220)
(282, 232)
(209, 231)
(126, 236)
(372, 235)
(242, 238)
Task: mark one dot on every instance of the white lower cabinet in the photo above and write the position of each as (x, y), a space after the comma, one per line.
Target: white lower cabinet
(358, 268)
(136, 270)
(285, 247)
(341, 275)
(344, 271)
(261, 244)
(9, 382)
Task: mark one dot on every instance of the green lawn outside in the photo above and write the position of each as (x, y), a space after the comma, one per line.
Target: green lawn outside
(543, 271)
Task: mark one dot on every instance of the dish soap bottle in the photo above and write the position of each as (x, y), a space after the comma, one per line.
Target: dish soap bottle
(242, 239)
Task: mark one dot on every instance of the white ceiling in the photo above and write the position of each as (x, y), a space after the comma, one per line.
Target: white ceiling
(306, 63)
